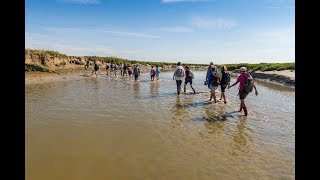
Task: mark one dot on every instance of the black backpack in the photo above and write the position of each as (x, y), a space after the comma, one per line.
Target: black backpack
(214, 79)
(135, 70)
(248, 84)
(226, 78)
(96, 67)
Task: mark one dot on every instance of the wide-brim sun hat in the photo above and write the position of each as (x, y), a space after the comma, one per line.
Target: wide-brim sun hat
(243, 69)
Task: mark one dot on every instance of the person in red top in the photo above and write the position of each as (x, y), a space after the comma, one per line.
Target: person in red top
(243, 94)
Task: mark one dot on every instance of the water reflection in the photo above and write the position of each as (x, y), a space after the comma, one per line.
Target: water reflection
(136, 89)
(239, 137)
(179, 112)
(154, 88)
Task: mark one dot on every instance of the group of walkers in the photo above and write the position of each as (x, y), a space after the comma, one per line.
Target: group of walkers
(112, 70)
(214, 79)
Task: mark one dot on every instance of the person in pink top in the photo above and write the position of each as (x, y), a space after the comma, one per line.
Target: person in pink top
(243, 94)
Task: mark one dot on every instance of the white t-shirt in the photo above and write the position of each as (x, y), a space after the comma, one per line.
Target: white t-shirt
(179, 78)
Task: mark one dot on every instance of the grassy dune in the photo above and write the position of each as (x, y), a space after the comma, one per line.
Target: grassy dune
(45, 60)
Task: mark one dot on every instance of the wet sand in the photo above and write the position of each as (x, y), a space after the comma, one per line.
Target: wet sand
(285, 77)
(287, 73)
(45, 77)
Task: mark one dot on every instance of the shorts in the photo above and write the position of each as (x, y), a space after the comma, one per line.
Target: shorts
(129, 73)
(213, 88)
(243, 94)
(223, 87)
(152, 76)
(188, 80)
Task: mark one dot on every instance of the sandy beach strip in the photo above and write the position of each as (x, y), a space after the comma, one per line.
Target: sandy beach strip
(286, 77)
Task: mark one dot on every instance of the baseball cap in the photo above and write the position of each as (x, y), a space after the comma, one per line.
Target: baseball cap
(243, 69)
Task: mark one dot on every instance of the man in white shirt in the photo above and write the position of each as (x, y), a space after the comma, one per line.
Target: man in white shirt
(178, 75)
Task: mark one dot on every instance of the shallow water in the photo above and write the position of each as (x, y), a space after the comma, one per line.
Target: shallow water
(115, 128)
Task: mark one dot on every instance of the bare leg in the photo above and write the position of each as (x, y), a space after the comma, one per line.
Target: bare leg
(192, 89)
(244, 108)
(241, 104)
(224, 97)
(214, 97)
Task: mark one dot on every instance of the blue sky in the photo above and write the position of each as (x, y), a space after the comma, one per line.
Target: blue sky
(190, 31)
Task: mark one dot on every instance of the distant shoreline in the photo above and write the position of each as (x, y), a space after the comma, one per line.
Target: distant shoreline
(284, 77)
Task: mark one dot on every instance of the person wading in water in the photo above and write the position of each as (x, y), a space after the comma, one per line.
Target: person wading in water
(245, 88)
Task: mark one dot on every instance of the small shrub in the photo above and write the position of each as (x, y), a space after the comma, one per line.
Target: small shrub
(36, 67)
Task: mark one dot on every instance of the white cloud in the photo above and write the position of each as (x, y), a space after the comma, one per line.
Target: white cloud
(174, 1)
(81, 1)
(112, 32)
(276, 36)
(213, 23)
(274, 7)
(276, 4)
(175, 29)
(75, 47)
(130, 34)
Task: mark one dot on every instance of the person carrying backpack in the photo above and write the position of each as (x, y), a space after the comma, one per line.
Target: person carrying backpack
(111, 69)
(224, 82)
(157, 71)
(178, 75)
(96, 68)
(125, 70)
(115, 69)
(87, 64)
(130, 70)
(188, 79)
(152, 73)
(213, 83)
(107, 68)
(209, 70)
(136, 72)
(246, 86)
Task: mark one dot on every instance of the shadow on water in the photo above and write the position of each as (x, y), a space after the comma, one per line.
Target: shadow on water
(192, 104)
(217, 118)
(154, 94)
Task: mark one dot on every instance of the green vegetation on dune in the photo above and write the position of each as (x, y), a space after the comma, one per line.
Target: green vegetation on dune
(231, 67)
(262, 66)
(51, 53)
(36, 67)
